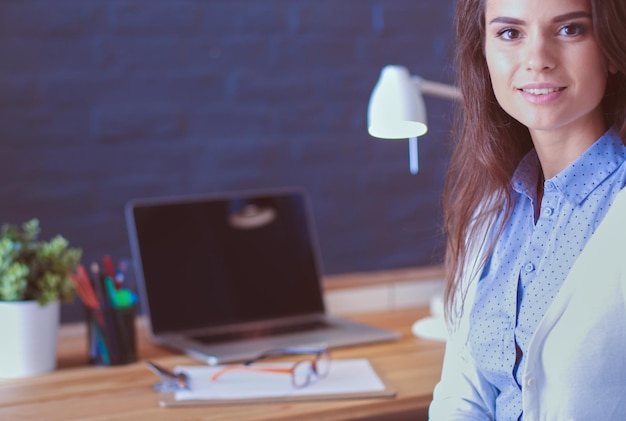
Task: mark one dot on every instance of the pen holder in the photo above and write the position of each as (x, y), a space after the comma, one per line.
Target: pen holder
(111, 335)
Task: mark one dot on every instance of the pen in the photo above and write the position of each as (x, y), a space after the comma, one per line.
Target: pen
(97, 284)
(84, 288)
(120, 298)
(110, 338)
(107, 263)
(169, 379)
(120, 273)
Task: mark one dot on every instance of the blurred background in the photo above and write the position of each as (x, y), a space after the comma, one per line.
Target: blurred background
(104, 101)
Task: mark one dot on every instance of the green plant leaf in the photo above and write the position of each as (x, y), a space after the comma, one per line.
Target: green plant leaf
(31, 269)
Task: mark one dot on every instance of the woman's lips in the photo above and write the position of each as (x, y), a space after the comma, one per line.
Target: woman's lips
(541, 95)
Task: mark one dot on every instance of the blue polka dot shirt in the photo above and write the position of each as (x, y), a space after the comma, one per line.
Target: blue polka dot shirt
(531, 260)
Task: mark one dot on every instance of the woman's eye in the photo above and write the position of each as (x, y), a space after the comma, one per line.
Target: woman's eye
(509, 34)
(572, 30)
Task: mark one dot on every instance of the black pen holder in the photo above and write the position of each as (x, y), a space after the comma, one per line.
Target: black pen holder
(111, 335)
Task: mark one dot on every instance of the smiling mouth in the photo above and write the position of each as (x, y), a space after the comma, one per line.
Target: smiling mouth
(541, 91)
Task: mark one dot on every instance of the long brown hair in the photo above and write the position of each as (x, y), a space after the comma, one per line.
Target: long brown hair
(489, 143)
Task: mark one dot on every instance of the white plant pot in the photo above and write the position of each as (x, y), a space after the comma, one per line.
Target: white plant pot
(28, 338)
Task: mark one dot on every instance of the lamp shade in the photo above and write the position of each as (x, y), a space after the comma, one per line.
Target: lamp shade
(396, 109)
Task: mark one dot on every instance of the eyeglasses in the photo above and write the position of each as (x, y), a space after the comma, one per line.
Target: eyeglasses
(302, 372)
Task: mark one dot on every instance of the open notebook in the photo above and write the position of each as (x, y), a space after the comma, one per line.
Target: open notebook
(225, 277)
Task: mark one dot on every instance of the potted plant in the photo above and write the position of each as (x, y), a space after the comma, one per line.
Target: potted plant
(34, 279)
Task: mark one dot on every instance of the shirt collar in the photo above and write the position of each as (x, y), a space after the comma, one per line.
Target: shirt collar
(582, 176)
(526, 175)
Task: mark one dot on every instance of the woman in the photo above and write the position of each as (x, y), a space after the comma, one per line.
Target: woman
(535, 214)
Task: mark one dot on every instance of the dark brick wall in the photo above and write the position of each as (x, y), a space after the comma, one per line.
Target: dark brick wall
(105, 101)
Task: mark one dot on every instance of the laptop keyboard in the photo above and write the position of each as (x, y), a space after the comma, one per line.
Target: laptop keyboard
(264, 332)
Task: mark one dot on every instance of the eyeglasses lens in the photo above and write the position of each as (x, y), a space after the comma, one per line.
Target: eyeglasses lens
(322, 364)
(302, 373)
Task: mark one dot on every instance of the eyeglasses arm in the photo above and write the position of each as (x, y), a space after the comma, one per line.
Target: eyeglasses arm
(286, 351)
(226, 369)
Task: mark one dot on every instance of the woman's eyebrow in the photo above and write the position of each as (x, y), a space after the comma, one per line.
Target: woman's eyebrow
(507, 20)
(557, 19)
(571, 15)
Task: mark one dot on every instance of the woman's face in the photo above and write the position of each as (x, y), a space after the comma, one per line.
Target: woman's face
(546, 68)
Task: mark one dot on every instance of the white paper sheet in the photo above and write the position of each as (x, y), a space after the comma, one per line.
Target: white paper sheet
(345, 376)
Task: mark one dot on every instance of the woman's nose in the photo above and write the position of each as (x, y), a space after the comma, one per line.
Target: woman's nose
(540, 54)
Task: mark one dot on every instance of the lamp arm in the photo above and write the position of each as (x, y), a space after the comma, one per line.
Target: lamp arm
(437, 89)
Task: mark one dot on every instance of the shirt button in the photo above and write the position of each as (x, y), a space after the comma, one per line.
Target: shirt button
(530, 382)
(529, 267)
(548, 211)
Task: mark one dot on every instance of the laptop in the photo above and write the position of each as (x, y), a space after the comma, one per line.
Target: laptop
(225, 277)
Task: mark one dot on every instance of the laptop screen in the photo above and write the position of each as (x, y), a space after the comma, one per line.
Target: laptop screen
(209, 262)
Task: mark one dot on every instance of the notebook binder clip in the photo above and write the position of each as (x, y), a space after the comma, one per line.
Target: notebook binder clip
(169, 381)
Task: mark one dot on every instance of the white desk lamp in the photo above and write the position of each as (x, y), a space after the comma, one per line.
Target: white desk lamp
(397, 111)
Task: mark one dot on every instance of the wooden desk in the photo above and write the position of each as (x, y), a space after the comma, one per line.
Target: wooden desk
(76, 391)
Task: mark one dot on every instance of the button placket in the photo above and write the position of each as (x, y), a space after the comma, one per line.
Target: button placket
(529, 267)
(548, 211)
(550, 202)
